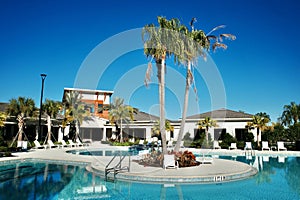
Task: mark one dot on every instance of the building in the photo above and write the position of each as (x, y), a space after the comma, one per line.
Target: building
(228, 121)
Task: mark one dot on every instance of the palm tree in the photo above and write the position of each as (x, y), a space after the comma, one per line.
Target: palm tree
(196, 42)
(120, 113)
(75, 110)
(291, 114)
(260, 123)
(51, 109)
(2, 118)
(160, 43)
(206, 123)
(156, 128)
(21, 108)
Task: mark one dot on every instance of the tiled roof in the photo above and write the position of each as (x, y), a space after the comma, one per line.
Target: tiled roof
(142, 116)
(221, 113)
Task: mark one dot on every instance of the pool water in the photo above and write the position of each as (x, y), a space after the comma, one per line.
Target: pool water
(277, 179)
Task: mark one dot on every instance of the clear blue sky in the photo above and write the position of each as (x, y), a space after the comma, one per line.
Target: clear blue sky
(260, 69)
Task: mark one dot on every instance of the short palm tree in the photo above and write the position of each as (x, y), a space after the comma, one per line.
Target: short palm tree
(75, 111)
(21, 108)
(3, 117)
(51, 109)
(156, 128)
(120, 113)
(206, 123)
(260, 123)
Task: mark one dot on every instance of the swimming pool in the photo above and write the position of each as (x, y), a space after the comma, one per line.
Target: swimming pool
(32, 179)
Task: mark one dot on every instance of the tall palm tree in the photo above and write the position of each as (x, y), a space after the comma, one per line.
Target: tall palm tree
(120, 113)
(159, 43)
(291, 114)
(21, 108)
(75, 110)
(260, 123)
(51, 109)
(196, 42)
(206, 123)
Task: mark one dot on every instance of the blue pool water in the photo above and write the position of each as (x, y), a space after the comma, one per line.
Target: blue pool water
(277, 179)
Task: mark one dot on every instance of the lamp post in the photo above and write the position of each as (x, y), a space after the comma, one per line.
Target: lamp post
(43, 76)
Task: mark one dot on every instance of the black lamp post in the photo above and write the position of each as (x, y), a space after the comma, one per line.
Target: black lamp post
(43, 76)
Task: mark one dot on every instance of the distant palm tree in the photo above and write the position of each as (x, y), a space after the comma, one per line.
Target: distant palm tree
(291, 114)
(206, 123)
(51, 109)
(156, 128)
(3, 117)
(120, 113)
(75, 111)
(260, 123)
(21, 108)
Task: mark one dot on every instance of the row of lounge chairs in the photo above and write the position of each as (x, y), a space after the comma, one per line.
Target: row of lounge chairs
(248, 146)
(63, 144)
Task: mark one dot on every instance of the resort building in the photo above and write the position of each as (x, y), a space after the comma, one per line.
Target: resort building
(228, 121)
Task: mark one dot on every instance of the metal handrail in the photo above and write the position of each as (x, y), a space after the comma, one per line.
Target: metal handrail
(117, 167)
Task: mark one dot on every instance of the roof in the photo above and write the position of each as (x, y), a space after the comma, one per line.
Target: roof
(89, 91)
(142, 116)
(3, 107)
(222, 113)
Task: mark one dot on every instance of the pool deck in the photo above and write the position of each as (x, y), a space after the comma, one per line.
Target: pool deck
(219, 170)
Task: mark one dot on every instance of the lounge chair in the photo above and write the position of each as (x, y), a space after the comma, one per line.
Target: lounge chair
(72, 143)
(232, 146)
(79, 143)
(24, 145)
(265, 146)
(248, 146)
(64, 144)
(205, 160)
(170, 144)
(39, 146)
(170, 162)
(19, 145)
(141, 142)
(182, 144)
(51, 145)
(216, 145)
(280, 146)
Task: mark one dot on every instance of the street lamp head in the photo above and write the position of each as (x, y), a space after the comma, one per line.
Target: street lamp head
(43, 76)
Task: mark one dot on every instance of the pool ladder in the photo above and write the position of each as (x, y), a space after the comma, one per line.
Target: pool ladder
(117, 168)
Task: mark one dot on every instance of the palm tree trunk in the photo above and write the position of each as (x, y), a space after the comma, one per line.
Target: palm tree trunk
(257, 140)
(77, 130)
(185, 107)
(21, 126)
(206, 136)
(161, 78)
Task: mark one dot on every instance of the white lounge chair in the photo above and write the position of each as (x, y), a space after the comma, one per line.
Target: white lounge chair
(24, 145)
(39, 146)
(265, 146)
(205, 160)
(280, 146)
(170, 162)
(64, 144)
(232, 146)
(51, 145)
(248, 146)
(216, 145)
(170, 144)
(141, 142)
(19, 145)
(72, 143)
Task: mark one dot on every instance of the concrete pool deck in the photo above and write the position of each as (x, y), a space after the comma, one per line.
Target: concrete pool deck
(219, 171)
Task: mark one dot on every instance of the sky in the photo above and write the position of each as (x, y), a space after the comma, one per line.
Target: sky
(97, 45)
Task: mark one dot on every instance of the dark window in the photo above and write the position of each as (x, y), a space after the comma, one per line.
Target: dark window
(218, 132)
